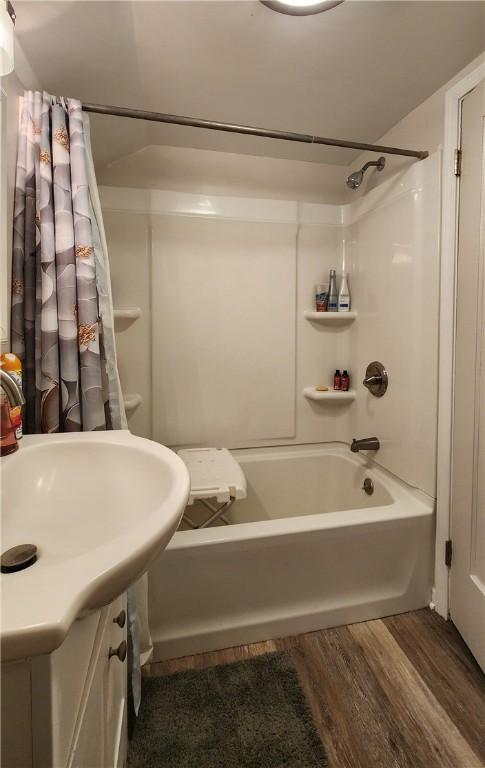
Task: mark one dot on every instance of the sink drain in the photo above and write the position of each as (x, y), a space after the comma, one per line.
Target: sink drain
(17, 558)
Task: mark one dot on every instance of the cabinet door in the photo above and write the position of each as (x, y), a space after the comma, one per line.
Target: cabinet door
(102, 734)
(64, 674)
(89, 739)
(16, 719)
(115, 688)
(90, 744)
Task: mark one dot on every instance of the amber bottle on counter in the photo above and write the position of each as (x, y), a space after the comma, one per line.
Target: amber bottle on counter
(8, 441)
(12, 365)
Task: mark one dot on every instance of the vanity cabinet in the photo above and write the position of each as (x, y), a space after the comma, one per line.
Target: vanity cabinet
(68, 709)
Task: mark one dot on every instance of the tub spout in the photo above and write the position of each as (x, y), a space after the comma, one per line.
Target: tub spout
(365, 444)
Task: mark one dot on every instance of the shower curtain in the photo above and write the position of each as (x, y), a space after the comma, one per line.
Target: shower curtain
(62, 316)
(62, 308)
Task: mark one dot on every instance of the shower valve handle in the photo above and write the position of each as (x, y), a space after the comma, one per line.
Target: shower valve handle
(376, 379)
(370, 380)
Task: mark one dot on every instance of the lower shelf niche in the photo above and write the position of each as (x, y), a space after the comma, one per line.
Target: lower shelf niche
(132, 401)
(331, 395)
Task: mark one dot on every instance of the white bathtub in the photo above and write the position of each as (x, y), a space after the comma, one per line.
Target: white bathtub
(309, 549)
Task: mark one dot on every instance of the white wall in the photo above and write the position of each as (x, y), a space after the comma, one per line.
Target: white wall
(421, 129)
(184, 169)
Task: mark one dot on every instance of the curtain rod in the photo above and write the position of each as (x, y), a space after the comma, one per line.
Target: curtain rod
(194, 122)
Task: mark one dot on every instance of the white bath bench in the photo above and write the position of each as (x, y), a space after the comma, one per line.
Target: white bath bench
(214, 474)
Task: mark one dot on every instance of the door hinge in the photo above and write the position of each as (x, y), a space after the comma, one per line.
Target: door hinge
(458, 156)
(448, 552)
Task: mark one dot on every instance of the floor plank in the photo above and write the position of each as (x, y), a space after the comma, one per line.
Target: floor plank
(349, 706)
(210, 659)
(401, 692)
(447, 667)
(431, 735)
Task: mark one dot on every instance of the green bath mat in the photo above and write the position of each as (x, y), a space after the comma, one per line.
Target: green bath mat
(251, 714)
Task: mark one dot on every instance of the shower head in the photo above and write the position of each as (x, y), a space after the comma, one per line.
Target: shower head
(356, 178)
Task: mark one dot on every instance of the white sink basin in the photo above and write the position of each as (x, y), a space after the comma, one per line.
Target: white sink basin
(99, 506)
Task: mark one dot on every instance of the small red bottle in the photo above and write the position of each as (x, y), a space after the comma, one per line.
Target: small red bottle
(337, 380)
(345, 381)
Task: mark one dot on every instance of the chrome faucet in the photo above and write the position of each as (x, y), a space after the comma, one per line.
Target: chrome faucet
(11, 388)
(365, 444)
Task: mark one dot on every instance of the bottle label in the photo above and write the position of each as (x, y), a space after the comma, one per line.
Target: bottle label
(321, 300)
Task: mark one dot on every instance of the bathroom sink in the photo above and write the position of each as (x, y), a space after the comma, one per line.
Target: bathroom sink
(99, 507)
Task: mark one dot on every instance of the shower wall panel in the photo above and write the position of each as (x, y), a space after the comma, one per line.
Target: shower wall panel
(223, 330)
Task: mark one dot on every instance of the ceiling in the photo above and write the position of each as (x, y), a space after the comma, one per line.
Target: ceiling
(352, 72)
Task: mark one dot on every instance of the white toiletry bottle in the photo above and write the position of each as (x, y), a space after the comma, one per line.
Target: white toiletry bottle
(344, 294)
(332, 292)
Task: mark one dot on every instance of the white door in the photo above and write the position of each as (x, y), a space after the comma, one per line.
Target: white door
(467, 578)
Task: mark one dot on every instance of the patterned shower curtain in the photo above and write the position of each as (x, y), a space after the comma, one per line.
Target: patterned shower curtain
(62, 317)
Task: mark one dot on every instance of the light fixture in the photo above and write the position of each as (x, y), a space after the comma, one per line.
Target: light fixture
(301, 7)
(7, 21)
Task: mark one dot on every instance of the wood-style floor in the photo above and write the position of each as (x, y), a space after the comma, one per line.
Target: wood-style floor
(401, 692)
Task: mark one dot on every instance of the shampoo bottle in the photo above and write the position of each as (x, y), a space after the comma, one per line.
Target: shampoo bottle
(344, 294)
(332, 292)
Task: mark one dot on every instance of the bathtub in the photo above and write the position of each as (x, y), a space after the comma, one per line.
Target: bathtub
(308, 549)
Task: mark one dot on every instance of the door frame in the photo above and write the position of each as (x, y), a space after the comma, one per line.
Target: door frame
(446, 368)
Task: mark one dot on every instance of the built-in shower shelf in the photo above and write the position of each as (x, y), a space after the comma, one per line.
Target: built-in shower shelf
(330, 395)
(330, 317)
(132, 401)
(130, 313)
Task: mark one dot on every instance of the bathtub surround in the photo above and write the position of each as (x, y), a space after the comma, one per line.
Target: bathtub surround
(249, 713)
(233, 361)
(219, 313)
(394, 235)
(225, 353)
(205, 277)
